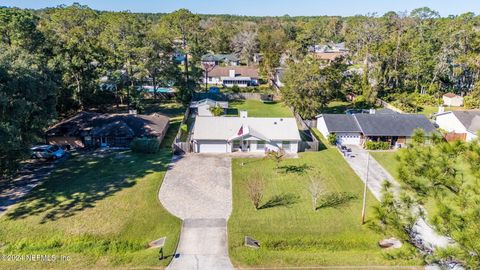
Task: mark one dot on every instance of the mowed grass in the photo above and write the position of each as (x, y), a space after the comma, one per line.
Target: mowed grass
(430, 110)
(294, 234)
(101, 211)
(258, 108)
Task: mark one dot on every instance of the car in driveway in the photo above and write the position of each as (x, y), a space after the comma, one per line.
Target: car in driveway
(47, 152)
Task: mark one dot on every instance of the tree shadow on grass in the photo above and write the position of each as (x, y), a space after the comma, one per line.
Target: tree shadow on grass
(297, 169)
(80, 182)
(285, 199)
(335, 200)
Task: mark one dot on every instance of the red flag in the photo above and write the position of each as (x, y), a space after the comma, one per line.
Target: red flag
(240, 131)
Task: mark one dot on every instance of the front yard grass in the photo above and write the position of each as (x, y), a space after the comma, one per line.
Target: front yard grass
(101, 211)
(258, 108)
(294, 234)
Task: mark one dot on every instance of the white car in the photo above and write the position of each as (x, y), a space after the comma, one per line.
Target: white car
(47, 152)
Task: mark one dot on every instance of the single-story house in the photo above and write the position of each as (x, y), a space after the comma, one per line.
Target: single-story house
(355, 129)
(219, 59)
(329, 52)
(247, 134)
(460, 122)
(202, 107)
(89, 129)
(242, 76)
(451, 99)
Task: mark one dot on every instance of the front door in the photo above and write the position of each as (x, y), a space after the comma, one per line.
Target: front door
(245, 146)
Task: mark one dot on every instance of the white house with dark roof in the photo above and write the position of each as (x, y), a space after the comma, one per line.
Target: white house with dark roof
(355, 129)
(247, 134)
(463, 122)
(241, 76)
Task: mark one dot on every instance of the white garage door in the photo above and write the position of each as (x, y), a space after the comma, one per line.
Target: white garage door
(348, 138)
(212, 148)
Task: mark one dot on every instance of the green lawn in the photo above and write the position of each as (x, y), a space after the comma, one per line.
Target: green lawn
(294, 234)
(100, 211)
(257, 108)
(387, 160)
(429, 110)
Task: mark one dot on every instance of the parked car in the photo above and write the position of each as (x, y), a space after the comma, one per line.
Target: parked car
(47, 152)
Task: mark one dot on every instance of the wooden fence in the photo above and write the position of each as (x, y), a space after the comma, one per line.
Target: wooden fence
(452, 136)
(309, 142)
(234, 96)
(178, 146)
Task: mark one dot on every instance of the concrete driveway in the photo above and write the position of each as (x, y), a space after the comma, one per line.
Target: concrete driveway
(198, 189)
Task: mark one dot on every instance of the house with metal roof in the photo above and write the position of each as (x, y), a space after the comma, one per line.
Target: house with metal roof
(355, 129)
(464, 123)
(202, 107)
(246, 134)
(220, 59)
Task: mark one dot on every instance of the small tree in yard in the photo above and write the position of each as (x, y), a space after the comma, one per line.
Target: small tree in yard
(277, 156)
(255, 191)
(216, 111)
(332, 138)
(315, 188)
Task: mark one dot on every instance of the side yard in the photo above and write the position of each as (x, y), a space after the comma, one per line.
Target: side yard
(99, 209)
(257, 108)
(290, 232)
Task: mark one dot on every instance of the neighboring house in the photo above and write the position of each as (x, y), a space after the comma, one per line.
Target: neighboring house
(247, 134)
(88, 129)
(279, 73)
(466, 123)
(329, 52)
(356, 129)
(202, 107)
(221, 59)
(451, 99)
(257, 58)
(242, 76)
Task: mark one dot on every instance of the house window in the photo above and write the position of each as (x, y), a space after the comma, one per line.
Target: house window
(261, 145)
(286, 145)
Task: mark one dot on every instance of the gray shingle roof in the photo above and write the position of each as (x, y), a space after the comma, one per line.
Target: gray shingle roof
(220, 57)
(378, 124)
(341, 123)
(393, 124)
(469, 119)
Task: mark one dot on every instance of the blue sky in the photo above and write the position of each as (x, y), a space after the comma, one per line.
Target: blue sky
(265, 7)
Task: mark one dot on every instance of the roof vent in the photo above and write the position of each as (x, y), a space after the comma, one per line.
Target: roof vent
(243, 114)
(281, 119)
(274, 123)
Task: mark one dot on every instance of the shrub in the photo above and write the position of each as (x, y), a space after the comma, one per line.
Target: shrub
(471, 102)
(360, 102)
(216, 111)
(235, 89)
(332, 138)
(377, 145)
(145, 145)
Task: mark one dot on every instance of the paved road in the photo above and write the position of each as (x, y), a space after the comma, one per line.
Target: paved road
(30, 176)
(376, 175)
(198, 189)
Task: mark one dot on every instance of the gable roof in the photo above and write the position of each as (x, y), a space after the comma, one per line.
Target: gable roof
(451, 95)
(469, 119)
(225, 128)
(341, 123)
(393, 124)
(220, 58)
(240, 71)
(210, 103)
(124, 125)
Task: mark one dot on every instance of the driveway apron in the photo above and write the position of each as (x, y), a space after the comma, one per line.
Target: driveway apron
(198, 189)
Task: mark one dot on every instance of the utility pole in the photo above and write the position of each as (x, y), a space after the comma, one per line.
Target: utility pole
(364, 205)
(207, 66)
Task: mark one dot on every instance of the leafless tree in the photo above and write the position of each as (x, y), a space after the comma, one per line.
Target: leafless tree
(316, 189)
(245, 44)
(256, 190)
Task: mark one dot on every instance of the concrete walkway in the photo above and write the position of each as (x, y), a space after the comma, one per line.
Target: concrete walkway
(376, 175)
(198, 189)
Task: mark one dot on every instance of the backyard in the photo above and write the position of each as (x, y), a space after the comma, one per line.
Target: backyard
(100, 209)
(258, 108)
(290, 232)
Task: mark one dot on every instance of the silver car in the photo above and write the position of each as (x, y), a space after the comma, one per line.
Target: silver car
(47, 152)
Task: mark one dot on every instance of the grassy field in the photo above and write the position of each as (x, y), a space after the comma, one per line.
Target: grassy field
(429, 110)
(101, 211)
(290, 232)
(257, 108)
